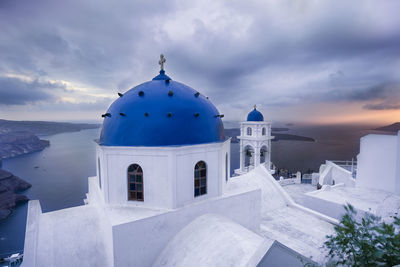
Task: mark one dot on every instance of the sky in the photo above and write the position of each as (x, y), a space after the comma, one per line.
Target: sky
(300, 61)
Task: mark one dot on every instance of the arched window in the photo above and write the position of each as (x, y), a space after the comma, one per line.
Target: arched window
(98, 165)
(264, 131)
(135, 183)
(248, 131)
(200, 179)
(226, 167)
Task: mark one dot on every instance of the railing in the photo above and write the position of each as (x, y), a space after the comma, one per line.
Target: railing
(306, 178)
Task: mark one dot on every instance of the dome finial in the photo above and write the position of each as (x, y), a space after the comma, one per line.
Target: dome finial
(255, 106)
(161, 61)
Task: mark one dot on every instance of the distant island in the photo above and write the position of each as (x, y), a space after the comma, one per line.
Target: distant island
(278, 136)
(395, 127)
(277, 129)
(45, 127)
(21, 137)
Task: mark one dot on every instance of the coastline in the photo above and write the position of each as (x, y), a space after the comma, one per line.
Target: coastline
(10, 186)
(20, 138)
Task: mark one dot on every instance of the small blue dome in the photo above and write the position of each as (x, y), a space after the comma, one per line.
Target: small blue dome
(255, 115)
(161, 112)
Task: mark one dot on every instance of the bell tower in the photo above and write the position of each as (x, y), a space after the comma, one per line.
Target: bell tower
(255, 142)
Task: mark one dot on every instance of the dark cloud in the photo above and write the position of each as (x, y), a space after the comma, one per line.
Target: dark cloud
(14, 91)
(381, 91)
(383, 96)
(238, 53)
(382, 106)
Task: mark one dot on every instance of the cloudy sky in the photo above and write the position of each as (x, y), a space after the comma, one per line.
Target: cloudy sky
(299, 61)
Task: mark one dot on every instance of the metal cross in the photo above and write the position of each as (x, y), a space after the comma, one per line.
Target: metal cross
(255, 106)
(161, 61)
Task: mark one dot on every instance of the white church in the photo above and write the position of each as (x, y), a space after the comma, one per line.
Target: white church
(163, 195)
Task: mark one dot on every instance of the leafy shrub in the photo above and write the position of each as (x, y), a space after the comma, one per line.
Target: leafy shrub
(365, 242)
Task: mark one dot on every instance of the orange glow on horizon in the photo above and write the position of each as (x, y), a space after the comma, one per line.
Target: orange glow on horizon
(373, 117)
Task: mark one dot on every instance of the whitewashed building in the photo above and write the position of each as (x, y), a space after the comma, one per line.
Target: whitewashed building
(162, 195)
(371, 185)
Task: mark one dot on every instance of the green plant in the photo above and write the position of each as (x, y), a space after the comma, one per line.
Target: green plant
(365, 242)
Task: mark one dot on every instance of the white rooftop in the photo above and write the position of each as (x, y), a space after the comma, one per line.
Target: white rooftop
(297, 191)
(213, 240)
(71, 237)
(297, 230)
(381, 203)
(296, 227)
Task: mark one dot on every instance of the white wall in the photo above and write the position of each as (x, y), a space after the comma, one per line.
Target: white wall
(157, 175)
(378, 163)
(329, 208)
(397, 186)
(241, 208)
(31, 233)
(168, 173)
(186, 159)
(290, 181)
(331, 173)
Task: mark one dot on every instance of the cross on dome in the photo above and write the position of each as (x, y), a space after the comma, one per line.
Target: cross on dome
(161, 61)
(255, 106)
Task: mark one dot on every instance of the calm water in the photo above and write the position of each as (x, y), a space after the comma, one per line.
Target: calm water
(60, 181)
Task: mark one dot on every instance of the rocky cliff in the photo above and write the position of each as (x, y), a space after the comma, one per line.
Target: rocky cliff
(10, 186)
(390, 128)
(14, 143)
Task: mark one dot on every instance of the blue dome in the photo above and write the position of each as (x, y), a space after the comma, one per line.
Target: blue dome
(255, 115)
(161, 112)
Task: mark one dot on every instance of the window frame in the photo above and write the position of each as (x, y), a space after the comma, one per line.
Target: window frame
(133, 185)
(200, 179)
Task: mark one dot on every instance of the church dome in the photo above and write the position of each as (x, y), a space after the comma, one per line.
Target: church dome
(161, 112)
(255, 115)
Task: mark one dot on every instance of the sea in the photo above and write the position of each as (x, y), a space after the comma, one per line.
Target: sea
(59, 174)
